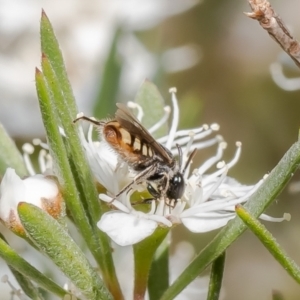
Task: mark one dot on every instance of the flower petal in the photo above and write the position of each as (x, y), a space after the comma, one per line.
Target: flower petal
(126, 229)
(12, 190)
(207, 221)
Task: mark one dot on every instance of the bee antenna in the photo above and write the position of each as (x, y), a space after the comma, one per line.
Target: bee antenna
(82, 117)
(189, 160)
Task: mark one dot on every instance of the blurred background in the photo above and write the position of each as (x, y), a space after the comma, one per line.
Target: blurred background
(218, 59)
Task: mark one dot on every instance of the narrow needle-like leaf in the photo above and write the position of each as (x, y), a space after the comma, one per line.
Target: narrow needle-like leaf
(10, 155)
(105, 104)
(50, 47)
(159, 273)
(143, 256)
(270, 243)
(53, 240)
(152, 102)
(23, 267)
(27, 286)
(97, 241)
(257, 203)
(216, 276)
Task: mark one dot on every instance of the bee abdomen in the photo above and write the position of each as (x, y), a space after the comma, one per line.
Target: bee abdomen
(131, 147)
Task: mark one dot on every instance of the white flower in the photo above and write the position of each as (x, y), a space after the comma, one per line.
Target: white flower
(209, 199)
(39, 190)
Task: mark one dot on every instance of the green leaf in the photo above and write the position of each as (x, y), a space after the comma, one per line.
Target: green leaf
(152, 102)
(257, 203)
(72, 141)
(105, 103)
(70, 193)
(143, 255)
(50, 47)
(86, 211)
(216, 276)
(269, 242)
(53, 240)
(158, 280)
(28, 271)
(26, 285)
(10, 155)
(82, 180)
(60, 159)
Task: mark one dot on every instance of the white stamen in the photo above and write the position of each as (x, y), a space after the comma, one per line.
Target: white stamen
(179, 208)
(115, 203)
(215, 126)
(161, 219)
(38, 142)
(27, 150)
(216, 185)
(42, 160)
(90, 134)
(153, 208)
(211, 161)
(186, 151)
(198, 146)
(175, 119)
(286, 217)
(221, 164)
(162, 121)
(189, 144)
(200, 133)
(160, 207)
(236, 155)
(181, 133)
(140, 114)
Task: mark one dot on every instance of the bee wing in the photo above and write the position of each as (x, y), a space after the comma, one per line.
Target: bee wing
(130, 123)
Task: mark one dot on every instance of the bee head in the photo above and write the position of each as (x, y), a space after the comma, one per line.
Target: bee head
(176, 186)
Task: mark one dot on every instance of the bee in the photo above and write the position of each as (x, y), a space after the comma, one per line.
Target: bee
(152, 162)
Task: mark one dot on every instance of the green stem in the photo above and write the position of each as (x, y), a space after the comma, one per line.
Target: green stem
(257, 203)
(216, 276)
(269, 242)
(159, 273)
(143, 255)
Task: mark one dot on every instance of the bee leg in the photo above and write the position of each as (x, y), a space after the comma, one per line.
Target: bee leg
(164, 185)
(144, 201)
(153, 191)
(141, 177)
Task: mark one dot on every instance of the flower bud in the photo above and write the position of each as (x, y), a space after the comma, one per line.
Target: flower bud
(42, 191)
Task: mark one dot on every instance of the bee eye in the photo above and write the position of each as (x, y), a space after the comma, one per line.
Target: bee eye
(176, 187)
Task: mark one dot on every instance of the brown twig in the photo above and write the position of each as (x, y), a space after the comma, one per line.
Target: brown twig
(263, 12)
